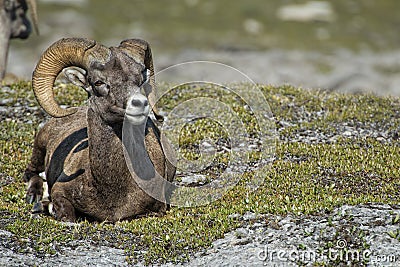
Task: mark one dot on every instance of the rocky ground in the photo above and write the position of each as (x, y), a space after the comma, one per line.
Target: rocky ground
(346, 235)
(340, 70)
(361, 234)
(365, 234)
(358, 234)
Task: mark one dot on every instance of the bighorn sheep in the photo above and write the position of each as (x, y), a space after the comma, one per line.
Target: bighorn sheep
(81, 149)
(14, 24)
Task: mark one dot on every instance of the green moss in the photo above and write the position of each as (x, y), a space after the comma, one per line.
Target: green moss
(303, 179)
(15, 142)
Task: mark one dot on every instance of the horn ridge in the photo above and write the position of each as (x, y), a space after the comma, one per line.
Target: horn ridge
(64, 53)
(140, 48)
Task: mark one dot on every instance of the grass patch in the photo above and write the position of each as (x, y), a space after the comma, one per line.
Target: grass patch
(304, 178)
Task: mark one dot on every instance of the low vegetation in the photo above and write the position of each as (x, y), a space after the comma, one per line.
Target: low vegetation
(333, 149)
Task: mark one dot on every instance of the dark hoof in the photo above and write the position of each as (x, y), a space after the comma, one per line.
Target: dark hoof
(34, 192)
(38, 208)
(30, 199)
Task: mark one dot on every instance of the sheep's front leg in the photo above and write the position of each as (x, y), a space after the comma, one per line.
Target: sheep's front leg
(34, 191)
(61, 207)
(34, 194)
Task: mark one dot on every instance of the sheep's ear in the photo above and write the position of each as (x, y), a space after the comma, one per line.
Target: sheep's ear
(76, 76)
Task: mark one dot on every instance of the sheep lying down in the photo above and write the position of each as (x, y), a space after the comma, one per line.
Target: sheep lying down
(83, 150)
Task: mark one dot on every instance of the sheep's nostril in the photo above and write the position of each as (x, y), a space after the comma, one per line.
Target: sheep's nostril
(139, 102)
(136, 102)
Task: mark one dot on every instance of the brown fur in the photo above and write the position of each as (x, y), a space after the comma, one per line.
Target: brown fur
(83, 154)
(114, 199)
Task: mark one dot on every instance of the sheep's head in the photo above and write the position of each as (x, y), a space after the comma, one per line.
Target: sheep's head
(119, 80)
(15, 10)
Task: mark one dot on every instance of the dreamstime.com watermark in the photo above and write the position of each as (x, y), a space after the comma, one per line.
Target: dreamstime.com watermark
(338, 254)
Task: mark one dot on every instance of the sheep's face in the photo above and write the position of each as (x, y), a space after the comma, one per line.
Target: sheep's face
(16, 11)
(115, 88)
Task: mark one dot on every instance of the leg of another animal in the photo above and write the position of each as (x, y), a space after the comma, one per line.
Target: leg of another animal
(4, 41)
(14, 24)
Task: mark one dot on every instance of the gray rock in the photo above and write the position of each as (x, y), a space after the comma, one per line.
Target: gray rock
(6, 101)
(194, 179)
(305, 237)
(310, 11)
(249, 216)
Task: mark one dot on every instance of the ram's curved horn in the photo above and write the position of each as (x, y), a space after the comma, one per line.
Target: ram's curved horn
(64, 53)
(140, 51)
(32, 6)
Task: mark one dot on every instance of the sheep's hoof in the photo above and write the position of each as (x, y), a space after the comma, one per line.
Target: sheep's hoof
(38, 208)
(30, 199)
(34, 192)
(33, 198)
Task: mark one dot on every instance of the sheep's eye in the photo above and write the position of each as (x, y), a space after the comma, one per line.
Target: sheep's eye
(100, 88)
(98, 83)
